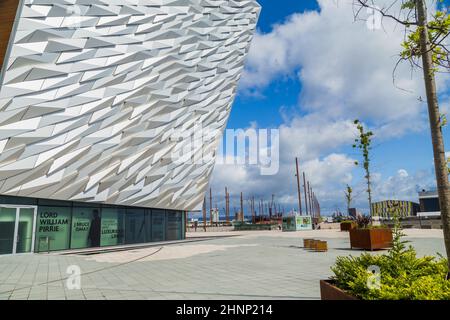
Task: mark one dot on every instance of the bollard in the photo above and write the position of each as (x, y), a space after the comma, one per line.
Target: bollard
(321, 246)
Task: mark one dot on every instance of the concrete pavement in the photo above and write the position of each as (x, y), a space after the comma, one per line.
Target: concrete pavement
(249, 265)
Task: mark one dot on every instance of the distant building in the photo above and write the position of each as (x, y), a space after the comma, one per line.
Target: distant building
(384, 209)
(353, 212)
(429, 204)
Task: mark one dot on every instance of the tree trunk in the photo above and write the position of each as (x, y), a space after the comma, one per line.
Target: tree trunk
(369, 192)
(440, 162)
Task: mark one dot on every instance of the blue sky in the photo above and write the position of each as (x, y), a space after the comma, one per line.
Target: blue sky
(311, 71)
(281, 92)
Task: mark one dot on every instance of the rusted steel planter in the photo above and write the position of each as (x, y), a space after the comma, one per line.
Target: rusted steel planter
(347, 226)
(328, 291)
(371, 239)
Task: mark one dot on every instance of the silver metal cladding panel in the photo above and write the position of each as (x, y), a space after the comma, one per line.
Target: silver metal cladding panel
(94, 92)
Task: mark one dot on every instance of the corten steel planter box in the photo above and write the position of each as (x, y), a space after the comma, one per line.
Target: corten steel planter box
(347, 226)
(328, 291)
(371, 239)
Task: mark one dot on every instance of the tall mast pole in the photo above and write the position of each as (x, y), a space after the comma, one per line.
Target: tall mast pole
(204, 214)
(227, 212)
(253, 209)
(185, 223)
(298, 188)
(210, 207)
(306, 197)
(314, 204)
(309, 198)
(242, 208)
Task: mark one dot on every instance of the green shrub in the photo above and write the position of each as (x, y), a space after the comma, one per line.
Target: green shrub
(409, 277)
(404, 276)
(363, 221)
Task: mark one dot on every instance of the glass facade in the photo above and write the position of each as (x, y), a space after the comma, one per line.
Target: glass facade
(62, 225)
(53, 228)
(85, 228)
(113, 227)
(159, 225)
(174, 221)
(430, 204)
(135, 228)
(25, 230)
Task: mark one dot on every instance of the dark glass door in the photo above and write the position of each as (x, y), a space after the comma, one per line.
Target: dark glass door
(17, 225)
(7, 228)
(25, 228)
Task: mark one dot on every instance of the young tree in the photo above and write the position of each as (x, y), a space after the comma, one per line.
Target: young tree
(363, 143)
(349, 197)
(425, 47)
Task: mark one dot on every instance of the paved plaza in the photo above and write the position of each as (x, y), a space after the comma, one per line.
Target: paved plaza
(225, 265)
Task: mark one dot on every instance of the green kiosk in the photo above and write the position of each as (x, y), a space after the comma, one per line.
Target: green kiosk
(297, 223)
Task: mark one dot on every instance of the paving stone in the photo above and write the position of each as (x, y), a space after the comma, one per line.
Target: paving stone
(257, 265)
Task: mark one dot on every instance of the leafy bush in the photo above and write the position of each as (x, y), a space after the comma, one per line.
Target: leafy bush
(363, 221)
(403, 275)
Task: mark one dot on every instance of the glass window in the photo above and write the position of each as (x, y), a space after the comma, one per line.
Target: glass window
(25, 231)
(183, 225)
(85, 228)
(17, 200)
(158, 225)
(7, 227)
(53, 228)
(135, 226)
(53, 203)
(431, 204)
(85, 204)
(148, 225)
(174, 222)
(113, 226)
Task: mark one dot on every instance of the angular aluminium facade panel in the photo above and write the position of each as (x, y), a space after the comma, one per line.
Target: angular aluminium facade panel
(95, 93)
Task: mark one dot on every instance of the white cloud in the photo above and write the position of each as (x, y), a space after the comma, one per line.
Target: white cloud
(345, 68)
(345, 71)
(402, 185)
(312, 136)
(326, 176)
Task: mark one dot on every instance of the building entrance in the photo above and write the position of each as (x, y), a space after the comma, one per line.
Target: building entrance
(17, 229)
